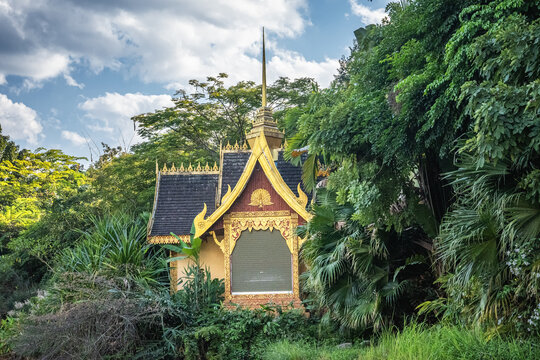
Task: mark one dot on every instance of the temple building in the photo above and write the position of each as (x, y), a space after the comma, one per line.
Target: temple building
(245, 210)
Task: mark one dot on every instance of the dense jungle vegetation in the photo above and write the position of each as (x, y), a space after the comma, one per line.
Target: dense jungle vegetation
(424, 159)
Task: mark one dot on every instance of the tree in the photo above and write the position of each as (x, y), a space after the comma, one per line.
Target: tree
(214, 113)
(489, 240)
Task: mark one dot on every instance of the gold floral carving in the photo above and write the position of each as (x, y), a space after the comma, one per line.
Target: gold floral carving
(260, 198)
(284, 225)
(168, 239)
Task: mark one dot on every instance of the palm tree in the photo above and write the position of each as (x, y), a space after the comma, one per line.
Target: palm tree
(350, 278)
(489, 242)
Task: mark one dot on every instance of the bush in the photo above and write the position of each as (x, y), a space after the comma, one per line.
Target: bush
(221, 333)
(8, 329)
(86, 317)
(15, 286)
(116, 247)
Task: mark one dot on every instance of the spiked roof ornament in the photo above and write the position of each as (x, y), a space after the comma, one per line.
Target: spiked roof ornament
(264, 122)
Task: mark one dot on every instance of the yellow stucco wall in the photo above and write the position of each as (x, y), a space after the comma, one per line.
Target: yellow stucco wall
(211, 257)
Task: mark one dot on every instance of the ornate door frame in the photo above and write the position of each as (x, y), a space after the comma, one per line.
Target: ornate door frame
(236, 222)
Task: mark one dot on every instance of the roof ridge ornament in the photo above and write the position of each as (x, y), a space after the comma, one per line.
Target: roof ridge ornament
(264, 121)
(173, 170)
(263, 72)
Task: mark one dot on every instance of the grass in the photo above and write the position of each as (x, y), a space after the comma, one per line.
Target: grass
(285, 350)
(416, 342)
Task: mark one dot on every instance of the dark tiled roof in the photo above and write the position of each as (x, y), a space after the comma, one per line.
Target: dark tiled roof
(235, 162)
(291, 174)
(233, 167)
(179, 199)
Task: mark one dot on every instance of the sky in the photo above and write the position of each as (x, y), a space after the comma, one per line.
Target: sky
(73, 72)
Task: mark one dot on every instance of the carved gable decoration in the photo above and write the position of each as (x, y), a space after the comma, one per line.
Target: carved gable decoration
(260, 198)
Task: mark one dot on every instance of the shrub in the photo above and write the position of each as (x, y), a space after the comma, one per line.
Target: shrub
(8, 329)
(115, 246)
(87, 317)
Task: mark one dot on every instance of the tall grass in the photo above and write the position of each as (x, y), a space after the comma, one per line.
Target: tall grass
(417, 342)
(448, 342)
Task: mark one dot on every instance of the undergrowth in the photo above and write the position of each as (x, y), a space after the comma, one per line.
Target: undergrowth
(416, 341)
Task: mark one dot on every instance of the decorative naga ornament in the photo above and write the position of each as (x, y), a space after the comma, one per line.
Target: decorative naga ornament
(260, 198)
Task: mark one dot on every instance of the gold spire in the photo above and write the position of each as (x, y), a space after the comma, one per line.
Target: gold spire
(263, 73)
(264, 122)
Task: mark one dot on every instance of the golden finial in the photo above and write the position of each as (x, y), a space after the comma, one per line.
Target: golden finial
(199, 168)
(229, 146)
(182, 167)
(206, 167)
(236, 147)
(244, 147)
(190, 168)
(263, 73)
(215, 168)
(173, 168)
(164, 167)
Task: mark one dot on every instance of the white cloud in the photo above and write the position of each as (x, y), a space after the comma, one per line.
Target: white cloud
(367, 15)
(75, 138)
(19, 121)
(294, 65)
(166, 41)
(111, 114)
(72, 82)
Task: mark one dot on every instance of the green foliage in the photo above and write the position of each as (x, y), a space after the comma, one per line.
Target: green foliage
(497, 213)
(415, 341)
(439, 81)
(356, 275)
(285, 350)
(240, 333)
(40, 203)
(8, 329)
(448, 342)
(214, 113)
(115, 246)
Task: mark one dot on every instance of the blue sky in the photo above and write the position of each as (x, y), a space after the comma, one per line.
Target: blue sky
(73, 72)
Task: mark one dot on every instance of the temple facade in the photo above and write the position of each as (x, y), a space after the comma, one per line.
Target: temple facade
(246, 210)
